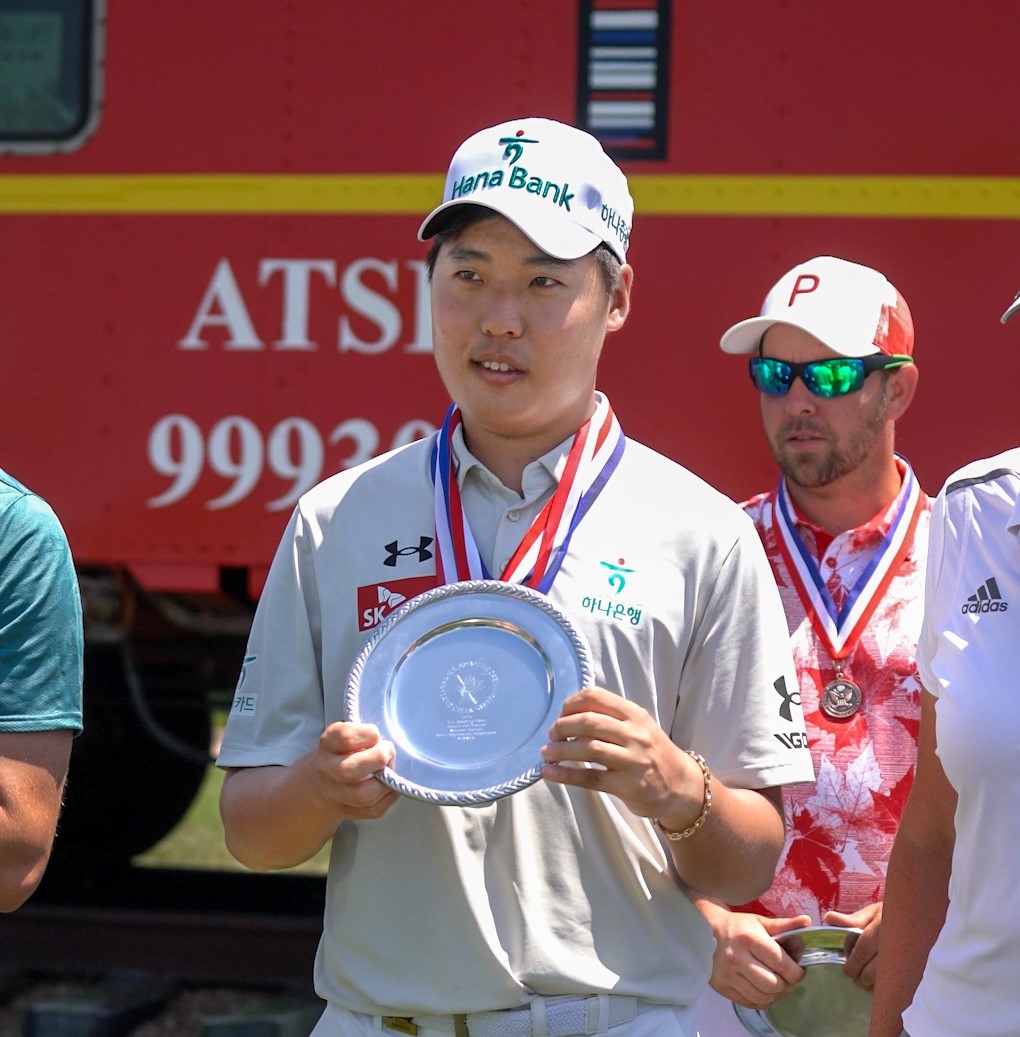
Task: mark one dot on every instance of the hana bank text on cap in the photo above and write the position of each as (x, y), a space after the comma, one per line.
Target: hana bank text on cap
(850, 308)
(552, 180)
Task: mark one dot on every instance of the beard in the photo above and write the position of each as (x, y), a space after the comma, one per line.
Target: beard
(837, 457)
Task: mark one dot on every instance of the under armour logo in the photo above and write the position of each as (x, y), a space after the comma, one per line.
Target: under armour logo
(788, 697)
(395, 551)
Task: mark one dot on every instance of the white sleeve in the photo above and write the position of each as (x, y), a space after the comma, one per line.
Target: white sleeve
(739, 701)
(277, 713)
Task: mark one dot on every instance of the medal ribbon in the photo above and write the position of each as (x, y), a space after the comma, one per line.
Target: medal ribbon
(840, 630)
(594, 454)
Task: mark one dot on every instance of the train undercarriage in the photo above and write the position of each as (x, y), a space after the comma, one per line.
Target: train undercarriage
(158, 666)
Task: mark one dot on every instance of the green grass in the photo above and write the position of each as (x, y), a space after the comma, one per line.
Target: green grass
(197, 841)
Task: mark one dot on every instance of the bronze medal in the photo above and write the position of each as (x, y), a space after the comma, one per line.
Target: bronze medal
(841, 697)
(839, 628)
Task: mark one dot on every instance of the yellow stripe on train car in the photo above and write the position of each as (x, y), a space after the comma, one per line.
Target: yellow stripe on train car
(383, 194)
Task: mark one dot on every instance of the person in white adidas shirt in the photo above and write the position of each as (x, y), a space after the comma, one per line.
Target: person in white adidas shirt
(950, 953)
(559, 909)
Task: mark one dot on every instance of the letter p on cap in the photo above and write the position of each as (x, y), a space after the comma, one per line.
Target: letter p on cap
(810, 283)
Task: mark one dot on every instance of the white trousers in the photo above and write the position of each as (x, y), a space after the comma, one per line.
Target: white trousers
(715, 1017)
(664, 1021)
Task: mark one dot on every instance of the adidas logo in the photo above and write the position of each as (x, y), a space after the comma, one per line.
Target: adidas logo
(985, 599)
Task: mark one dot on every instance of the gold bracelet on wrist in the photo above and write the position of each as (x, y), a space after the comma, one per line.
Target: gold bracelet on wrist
(706, 804)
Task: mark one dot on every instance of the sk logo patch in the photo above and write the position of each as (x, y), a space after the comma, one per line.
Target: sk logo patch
(378, 600)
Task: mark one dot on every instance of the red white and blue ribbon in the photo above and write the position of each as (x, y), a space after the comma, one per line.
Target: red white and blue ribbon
(594, 454)
(839, 629)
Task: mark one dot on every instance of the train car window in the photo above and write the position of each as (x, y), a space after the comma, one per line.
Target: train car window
(51, 55)
(623, 75)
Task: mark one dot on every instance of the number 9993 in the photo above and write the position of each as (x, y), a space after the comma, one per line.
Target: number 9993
(235, 450)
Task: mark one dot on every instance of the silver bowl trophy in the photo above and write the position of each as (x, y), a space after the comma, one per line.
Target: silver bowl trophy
(465, 681)
(826, 1000)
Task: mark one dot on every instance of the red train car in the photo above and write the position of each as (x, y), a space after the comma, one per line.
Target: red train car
(212, 293)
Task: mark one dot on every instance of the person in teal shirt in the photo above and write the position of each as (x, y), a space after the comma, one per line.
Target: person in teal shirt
(41, 667)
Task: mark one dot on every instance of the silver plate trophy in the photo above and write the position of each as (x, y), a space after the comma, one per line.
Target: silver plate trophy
(826, 1000)
(465, 680)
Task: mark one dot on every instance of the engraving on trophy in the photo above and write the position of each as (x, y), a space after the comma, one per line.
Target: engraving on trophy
(469, 686)
(465, 680)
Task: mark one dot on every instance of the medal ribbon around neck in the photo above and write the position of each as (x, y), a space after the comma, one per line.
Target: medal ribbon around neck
(593, 457)
(840, 630)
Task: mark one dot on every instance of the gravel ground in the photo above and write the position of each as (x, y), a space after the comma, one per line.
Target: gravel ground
(183, 1015)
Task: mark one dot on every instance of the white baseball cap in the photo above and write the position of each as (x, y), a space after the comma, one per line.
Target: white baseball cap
(851, 308)
(552, 180)
(1014, 308)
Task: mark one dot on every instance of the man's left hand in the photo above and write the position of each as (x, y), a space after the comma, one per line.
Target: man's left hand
(862, 961)
(604, 742)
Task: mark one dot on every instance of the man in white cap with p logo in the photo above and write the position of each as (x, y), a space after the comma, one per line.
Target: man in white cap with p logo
(558, 908)
(846, 532)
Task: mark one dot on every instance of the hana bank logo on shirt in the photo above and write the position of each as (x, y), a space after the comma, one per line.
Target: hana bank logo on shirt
(611, 600)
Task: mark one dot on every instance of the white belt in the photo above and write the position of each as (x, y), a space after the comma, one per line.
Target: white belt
(566, 1016)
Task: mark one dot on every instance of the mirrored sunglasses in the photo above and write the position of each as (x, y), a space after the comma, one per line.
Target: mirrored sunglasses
(826, 378)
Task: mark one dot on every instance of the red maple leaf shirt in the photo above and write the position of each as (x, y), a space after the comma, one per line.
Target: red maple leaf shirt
(840, 829)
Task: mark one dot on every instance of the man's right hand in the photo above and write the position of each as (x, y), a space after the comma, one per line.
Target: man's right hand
(347, 758)
(749, 967)
(278, 816)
